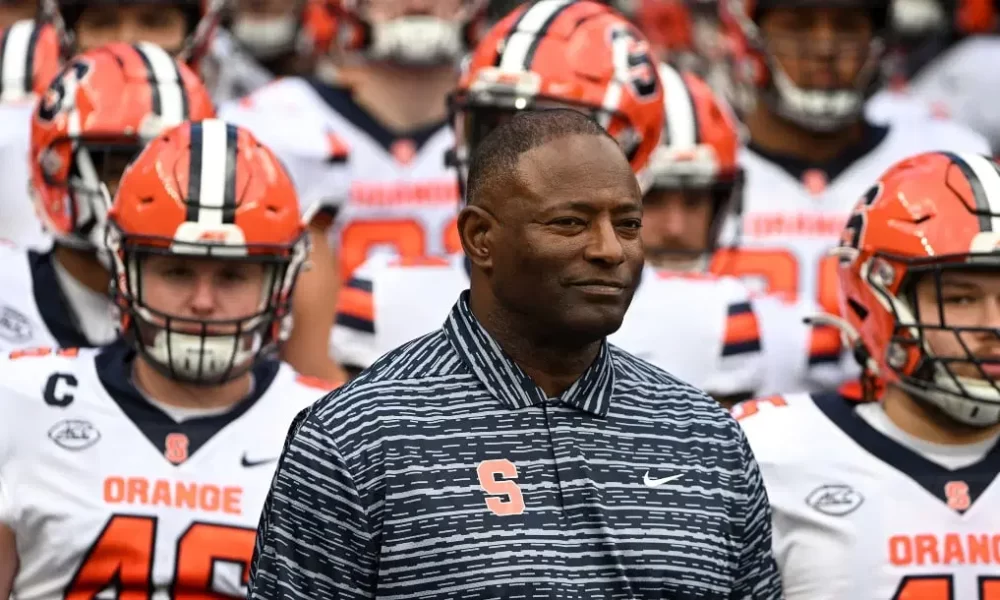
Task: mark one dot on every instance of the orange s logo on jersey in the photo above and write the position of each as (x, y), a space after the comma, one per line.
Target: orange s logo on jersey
(176, 448)
(489, 472)
(957, 494)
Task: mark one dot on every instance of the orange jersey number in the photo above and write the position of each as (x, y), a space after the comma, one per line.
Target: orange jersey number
(407, 236)
(123, 555)
(779, 269)
(939, 587)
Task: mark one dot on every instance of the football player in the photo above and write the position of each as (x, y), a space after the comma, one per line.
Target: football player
(29, 59)
(809, 66)
(950, 72)
(385, 305)
(896, 498)
(369, 147)
(186, 28)
(141, 467)
(96, 114)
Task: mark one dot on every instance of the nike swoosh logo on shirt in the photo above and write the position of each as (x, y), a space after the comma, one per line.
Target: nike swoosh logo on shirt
(650, 482)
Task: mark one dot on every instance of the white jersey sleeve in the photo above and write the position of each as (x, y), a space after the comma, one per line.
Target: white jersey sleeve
(701, 329)
(389, 301)
(960, 83)
(18, 221)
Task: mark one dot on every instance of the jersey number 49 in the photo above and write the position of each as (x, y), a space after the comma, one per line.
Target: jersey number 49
(123, 555)
(941, 587)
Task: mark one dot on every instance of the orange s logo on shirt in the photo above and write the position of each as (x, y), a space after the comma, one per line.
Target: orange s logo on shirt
(505, 498)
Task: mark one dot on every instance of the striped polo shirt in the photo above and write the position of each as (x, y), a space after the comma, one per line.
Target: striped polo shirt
(444, 472)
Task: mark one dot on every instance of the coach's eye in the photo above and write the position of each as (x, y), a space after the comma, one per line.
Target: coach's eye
(568, 222)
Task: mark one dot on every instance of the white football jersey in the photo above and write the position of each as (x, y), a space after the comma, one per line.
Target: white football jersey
(715, 346)
(18, 220)
(794, 214)
(34, 310)
(107, 494)
(958, 84)
(859, 516)
(391, 193)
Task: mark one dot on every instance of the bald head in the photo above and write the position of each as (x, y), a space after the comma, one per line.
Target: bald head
(493, 167)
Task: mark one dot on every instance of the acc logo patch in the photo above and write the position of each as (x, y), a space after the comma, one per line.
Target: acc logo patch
(74, 434)
(14, 326)
(835, 500)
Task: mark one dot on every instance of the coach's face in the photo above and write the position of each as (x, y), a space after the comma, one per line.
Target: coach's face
(567, 252)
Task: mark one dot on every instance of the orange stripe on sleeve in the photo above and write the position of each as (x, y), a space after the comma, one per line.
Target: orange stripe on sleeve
(356, 303)
(742, 330)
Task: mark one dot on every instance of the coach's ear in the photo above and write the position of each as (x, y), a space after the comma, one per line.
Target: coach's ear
(476, 227)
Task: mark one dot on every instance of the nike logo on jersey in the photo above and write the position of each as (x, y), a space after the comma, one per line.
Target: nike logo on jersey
(650, 482)
(246, 462)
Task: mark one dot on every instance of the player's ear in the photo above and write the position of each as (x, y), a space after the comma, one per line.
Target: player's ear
(476, 227)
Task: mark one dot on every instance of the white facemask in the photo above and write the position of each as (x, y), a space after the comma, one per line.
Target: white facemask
(417, 41)
(266, 37)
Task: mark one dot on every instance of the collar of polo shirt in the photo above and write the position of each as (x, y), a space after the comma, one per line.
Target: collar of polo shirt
(506, 382)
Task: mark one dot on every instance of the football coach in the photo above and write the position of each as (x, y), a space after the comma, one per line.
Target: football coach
(514, 453)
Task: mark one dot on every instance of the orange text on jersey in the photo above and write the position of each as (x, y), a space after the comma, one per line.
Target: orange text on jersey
(945, 549)
(205, 497)
(394, 194)
(794, 224)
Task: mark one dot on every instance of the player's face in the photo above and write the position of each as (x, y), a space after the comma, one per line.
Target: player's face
(202, 289)
(963, 299)
(162, 25)
(675, 226)
(110, 165)
(16, 10)
(568, 250)
(386, 10)
(819, 48)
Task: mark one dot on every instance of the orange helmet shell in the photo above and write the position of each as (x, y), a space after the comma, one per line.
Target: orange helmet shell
(119, 94)
(930, 209)
(204, 187)
(579, 54)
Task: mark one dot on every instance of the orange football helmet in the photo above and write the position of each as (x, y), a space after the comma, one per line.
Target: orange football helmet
(415, 38)
(100, 110)
(207, 189)
(551, 53)
(758, 74)
(926, 215)
(202, 17)
(29, 60)
(698, 149)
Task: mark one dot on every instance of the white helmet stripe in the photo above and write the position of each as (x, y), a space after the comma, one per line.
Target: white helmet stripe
(170, 101)
(519, 47)
(212, 178)
(681, 124)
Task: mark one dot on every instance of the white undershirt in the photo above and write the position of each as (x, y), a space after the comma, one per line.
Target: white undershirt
(184, 413)
(93, 311)
(949, 456)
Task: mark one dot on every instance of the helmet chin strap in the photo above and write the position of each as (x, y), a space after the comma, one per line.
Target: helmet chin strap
(416, 41)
